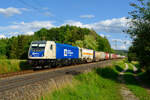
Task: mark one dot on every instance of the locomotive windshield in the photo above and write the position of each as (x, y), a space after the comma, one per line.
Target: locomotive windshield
(37, 47)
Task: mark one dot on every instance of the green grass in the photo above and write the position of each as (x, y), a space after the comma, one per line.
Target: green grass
(119, 66)
(99, 84)
(7, 66)
(134, 85)
(130, 69)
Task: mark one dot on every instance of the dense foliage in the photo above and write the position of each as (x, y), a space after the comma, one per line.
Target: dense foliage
(140, 32)
(132, 54)
(17, 47)
(121, 52)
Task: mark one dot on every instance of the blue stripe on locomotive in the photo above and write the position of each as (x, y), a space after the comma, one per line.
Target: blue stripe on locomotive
(37, 53)
(64, 51)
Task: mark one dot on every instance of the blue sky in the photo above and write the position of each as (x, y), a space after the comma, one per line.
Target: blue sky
(106, 17)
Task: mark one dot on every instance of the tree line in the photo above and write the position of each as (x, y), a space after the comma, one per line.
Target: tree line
(140, 33)
(17, 47)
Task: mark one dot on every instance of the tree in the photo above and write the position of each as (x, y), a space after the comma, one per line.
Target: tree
(103, 44)
(140, 32)
(13, 43)
(3, 48)
(90, 42)
(131, 54)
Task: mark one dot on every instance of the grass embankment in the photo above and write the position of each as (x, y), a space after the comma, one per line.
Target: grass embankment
(119, 66)
(100, 84)
(7, 66)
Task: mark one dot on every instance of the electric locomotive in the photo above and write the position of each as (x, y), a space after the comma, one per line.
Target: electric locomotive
(46, 54)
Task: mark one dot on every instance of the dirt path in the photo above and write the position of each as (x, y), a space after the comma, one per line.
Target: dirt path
(134, 68)
(140, 81)
(125, 92)
(126, 68)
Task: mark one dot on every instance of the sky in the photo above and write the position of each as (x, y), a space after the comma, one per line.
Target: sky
(106, 17)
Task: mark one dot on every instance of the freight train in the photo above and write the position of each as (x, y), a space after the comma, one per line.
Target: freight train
(47, 54)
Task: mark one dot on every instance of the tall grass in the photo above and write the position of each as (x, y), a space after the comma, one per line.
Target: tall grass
(7, 66)
(99, 84)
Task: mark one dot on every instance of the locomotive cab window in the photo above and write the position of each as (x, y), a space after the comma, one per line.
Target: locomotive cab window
(37, 47)
(51, 47)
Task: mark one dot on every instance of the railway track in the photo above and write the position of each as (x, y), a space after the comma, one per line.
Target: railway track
(24, 72)
(15, 73)
(30, 77)
(12, 74)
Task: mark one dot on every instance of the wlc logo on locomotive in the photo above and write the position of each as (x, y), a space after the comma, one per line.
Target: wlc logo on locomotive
(68, 52)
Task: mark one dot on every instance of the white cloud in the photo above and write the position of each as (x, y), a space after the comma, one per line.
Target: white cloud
(117, 40)
(107, 36)
(123, 47)
(25, 28)
(120, 47)
(102, 35)
(24, 9)
(115, 25)
(29, 33)
(75, 23)
(2, 36)
(127, 42)
(87, 16)
(11, 11)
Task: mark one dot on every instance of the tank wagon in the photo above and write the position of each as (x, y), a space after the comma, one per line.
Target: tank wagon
(47, 54)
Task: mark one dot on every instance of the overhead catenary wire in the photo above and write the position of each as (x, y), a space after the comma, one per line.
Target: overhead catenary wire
(39, 10)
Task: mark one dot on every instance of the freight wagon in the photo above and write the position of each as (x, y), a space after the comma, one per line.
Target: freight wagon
(99, 56)
(87, 54)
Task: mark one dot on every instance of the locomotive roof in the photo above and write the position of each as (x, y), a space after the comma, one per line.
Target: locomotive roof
(65, 45)
(42, 42)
